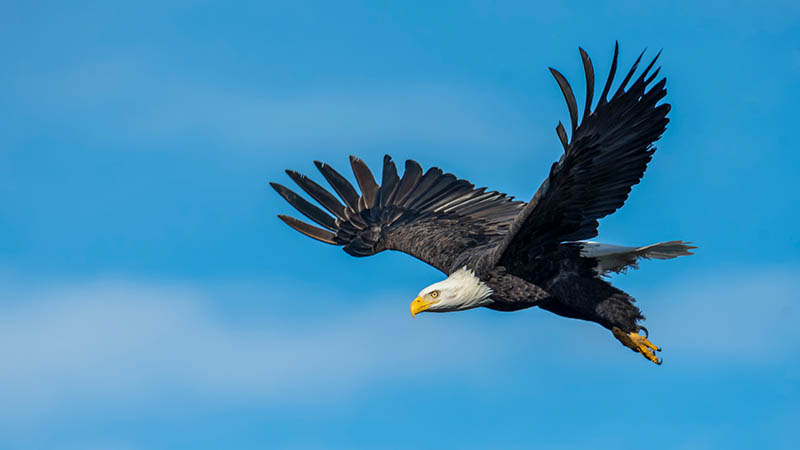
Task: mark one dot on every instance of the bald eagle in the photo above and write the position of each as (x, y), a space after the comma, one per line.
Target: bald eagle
(508, 255)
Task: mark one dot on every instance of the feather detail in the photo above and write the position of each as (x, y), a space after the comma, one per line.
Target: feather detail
(339, 184)
(318, 193)
(306, 208)
(435, 217)
(366, 182)
(588, 71)
(619, 258)
(310, 231)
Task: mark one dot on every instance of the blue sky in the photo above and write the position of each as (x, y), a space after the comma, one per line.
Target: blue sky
(151, 300)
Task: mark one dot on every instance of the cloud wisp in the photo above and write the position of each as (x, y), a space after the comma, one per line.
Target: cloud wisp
(118, 342)
(139, 104)
(741, 315)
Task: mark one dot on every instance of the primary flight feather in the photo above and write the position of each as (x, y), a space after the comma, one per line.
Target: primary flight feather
(504, 254)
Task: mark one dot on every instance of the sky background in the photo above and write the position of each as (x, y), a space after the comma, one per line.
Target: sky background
(150, 299)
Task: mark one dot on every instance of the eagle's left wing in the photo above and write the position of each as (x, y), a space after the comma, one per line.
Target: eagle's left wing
(434, 216)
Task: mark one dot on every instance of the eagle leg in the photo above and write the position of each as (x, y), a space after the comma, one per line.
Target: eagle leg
(638, 343)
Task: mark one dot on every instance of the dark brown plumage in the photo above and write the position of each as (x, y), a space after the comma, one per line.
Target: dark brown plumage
(528, 254)
(433, 216)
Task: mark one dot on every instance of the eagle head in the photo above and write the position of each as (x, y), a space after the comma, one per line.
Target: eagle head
(461, 290)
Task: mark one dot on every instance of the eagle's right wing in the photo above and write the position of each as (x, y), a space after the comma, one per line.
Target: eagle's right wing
(605, 157)
(434, 216)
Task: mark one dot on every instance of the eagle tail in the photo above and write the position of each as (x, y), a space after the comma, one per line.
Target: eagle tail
(618, 258)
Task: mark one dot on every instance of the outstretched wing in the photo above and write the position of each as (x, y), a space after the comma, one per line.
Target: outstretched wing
(606, 156)
(434, 216)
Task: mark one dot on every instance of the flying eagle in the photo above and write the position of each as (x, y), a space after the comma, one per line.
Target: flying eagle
(503, 254)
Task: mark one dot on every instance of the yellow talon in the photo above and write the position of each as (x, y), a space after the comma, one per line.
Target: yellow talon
(638, 343)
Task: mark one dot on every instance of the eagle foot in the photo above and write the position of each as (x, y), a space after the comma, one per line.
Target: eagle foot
(638, 343)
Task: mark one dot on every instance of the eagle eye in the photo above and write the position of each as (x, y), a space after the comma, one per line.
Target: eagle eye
(434, 294)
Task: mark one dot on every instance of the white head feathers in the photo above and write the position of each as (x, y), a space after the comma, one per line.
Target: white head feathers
(461, 290)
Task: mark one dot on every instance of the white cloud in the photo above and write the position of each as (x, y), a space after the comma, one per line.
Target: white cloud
(118, 344)
(121, 342)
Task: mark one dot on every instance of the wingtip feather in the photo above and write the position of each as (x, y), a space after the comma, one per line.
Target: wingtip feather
(569, 97)
(588, 70)
(562, 135)
(309, 230)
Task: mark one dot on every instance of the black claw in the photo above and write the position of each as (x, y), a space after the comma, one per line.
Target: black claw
(660, 361)
(658, 349)
(646, 333)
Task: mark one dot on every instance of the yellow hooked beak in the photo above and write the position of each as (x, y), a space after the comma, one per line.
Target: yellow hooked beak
(419, 305)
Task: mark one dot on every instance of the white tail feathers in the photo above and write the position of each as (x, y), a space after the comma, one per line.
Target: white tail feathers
(619, 258)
